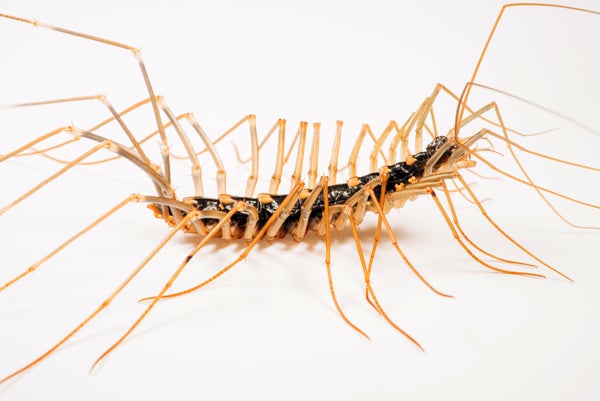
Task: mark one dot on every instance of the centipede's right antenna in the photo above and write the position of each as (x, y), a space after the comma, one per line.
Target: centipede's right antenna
(464, 97)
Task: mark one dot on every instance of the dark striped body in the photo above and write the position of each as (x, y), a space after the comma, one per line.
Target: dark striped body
(398, 176)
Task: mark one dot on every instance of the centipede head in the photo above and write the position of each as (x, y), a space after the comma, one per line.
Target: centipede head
(450, 153)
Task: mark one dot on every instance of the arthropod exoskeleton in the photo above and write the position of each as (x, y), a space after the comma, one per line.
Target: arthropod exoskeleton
(115, 189)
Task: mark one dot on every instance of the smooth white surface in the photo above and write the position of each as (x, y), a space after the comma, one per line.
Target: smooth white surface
(268, 328)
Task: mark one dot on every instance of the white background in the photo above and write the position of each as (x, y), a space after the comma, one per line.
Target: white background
(268, 329)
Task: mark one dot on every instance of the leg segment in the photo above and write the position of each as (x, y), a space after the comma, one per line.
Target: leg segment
(33, 267)
(286, 205)
(107, 301)
(324, 184)
(237, 207)
(367, 275)
(431, 192)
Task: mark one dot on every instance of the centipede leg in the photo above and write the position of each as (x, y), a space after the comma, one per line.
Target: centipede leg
(221, 174)
(276, 178)
(44, 151)
(284, 208)
(314, 156)
(392, 125)
(196, 168)
(390, 232)
(367, 276)
(465, 236)
(297, 174)
(74, 162)
(107, 301)
(356, 150)
(528, 181)
(384, 176)
(462, 244)
(324, 185)
(214, 231)
(502, 232)
(36, 265)
(335, 152)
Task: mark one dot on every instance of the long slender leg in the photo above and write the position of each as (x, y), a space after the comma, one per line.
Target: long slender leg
(130, 135)
(33, 267)
(107, 301)
(465, 95)
(255, 147)
(305, 212)
(335, 152)
(356, 150)
(367, 276)
(30, 144)
(392, 125)
(221, 174)
(504, 137)
(324, 185)
(276, 178)
(462, 244)
(384, 176)
(196, 168)
(137, 54)
(216, 229)
(465, 236)
(73, 163)
(501, 231)
(529, 181)
(44, 151)
(395, 243)
(402, 138)
(297, 175)
(314, 157)
(253, 178)
(287, 203)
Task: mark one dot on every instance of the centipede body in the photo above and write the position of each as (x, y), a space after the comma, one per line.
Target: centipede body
(408, 223)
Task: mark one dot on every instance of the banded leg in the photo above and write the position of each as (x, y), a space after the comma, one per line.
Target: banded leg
(335, 152)
(367, 276)
(390, 232)
(457, 237)
(504, 137)
(465, 236)
(254, 146)
(74, 162)
(276, 178)
(286, 205)
(136, 53)
(221, 174)
(196, 168)
(216, 229)
(502, 232)
(314, 156)
(36, 265)
(467, 90)
(392, 125)
(324, 184)
(306, 210)
(297, 175)
(107, 301)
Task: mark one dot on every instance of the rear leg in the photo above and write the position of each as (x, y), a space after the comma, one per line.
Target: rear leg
(238, 206)
(284, 208)
(36, 265)
(189, 217)
(74, 162)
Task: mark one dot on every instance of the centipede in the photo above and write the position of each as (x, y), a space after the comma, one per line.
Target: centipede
(345, 196)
